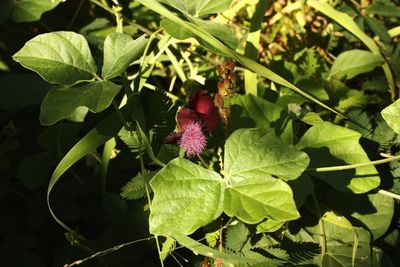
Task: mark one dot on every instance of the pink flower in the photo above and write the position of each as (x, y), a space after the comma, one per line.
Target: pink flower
(193, 139)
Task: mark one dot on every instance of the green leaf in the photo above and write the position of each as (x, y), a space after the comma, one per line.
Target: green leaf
(391, 114)
(199, 7)
(59, 57)
(60, 103)
(269, 226)
(387, 9)
(186, 197)
(253, 199)
(120, 50)
(330, 145)
(354, 62)
(31, 10)
(255, 153)
(249, 111)
(205, 7)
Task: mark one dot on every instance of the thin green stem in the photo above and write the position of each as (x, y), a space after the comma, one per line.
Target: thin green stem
(353, 166)
(155, 236)
(322, 239)
(126, 20)
(78, 9)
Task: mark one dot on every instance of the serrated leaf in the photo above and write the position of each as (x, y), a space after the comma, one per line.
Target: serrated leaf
(331, 145)
(391, 114)
(354, 62)
(58, 57)
(60, 103)
(257, 152)
(253, 199)
(31, 10)
(186, 197)
(136, 188)
(120, 50)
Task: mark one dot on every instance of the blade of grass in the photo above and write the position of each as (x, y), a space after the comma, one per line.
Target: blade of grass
(348, 23)
(103, 132)
(248, 63)
(251, 49)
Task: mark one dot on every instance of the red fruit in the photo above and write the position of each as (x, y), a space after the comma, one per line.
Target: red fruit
(184, 117)
(201, 103)
(212, 120)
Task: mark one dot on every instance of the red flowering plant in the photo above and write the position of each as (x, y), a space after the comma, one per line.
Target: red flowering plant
(194, 122)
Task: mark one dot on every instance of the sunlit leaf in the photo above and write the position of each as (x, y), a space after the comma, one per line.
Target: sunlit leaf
(59, 57)
(186, 197)
(120, 50)
(331, 145)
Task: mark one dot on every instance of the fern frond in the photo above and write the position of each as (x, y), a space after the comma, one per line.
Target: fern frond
(131, 140)
(136, 188)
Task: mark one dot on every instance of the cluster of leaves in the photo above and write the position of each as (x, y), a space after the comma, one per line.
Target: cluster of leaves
(289, 181)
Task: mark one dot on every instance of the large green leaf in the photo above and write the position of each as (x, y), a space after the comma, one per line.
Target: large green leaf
(391, 114)
(59, 57)
(257, 153)
(329, 145)
(353, 62)
(253, 199)
(120, 50)
(60, 103)
(186, 197)
(31, 10)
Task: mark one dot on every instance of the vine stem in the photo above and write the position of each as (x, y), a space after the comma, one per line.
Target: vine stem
(353, 166)
(389, 194)
(155, 236)
(322, 239)
(106, 251)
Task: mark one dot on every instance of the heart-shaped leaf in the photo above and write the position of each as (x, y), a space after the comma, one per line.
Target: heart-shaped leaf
(331, 145)
(120, 50)
(186, 197)
(60, 103)
(59, 57)
(253, 199)
(258, 152)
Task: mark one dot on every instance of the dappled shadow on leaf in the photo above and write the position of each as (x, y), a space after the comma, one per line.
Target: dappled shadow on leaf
(300, 252)
(321, 157)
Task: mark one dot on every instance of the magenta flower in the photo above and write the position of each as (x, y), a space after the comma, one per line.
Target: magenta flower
(193, 139)
(193, 122)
